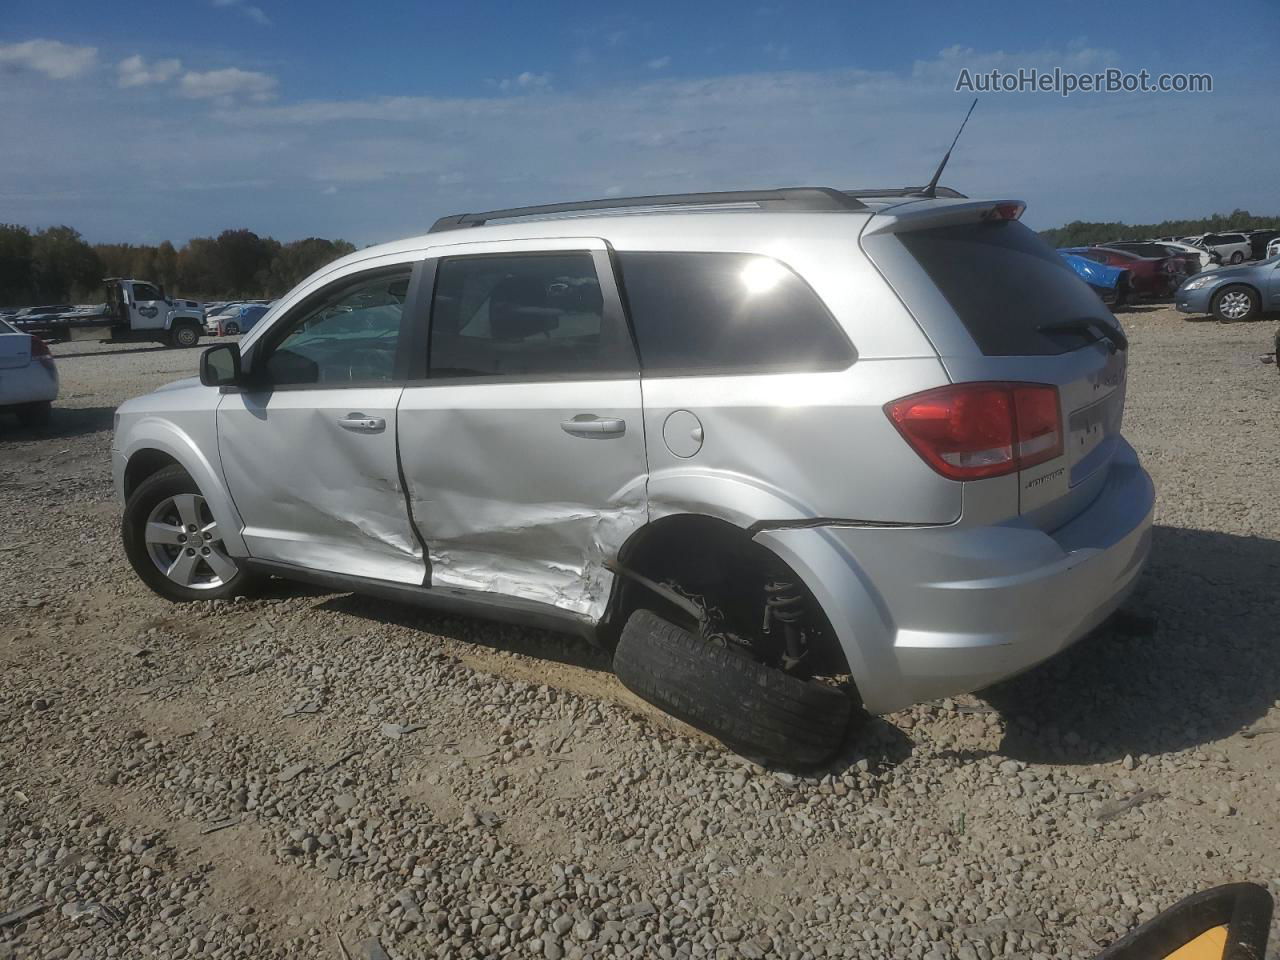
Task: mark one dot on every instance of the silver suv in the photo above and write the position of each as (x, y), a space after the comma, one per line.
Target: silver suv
(787, 452)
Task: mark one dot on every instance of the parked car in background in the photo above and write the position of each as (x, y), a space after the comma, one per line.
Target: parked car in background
(1259, 240)
(28, 376)
(1108, 282)
(214, 314)
(1232, 294)
(240, 320)
(1148, 276)
(1273, 248)
(1232, 247)
(1208, 259)
(1189, 260)
(30, 313)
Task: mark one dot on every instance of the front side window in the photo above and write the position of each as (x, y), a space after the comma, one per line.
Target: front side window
(143, 292)
(347, 335)
(522, 315)
(727, 312)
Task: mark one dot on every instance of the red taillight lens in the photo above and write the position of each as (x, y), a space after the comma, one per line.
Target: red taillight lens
(969, 431)
(39, 348)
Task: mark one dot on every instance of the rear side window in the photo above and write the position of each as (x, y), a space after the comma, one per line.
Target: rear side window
(1004, 282)
(525, 315)
(727, 313)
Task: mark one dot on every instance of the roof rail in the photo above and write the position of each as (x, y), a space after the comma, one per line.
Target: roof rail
(873, 192)
(788, 199)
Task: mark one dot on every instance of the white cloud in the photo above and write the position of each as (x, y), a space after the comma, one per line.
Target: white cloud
(227, 84)
(56, 60)
(401, 161)
(135, 72)
(526, 81)
(659, 63)
(254, 13)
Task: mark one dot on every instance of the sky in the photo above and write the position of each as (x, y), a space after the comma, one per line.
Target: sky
(147, 120)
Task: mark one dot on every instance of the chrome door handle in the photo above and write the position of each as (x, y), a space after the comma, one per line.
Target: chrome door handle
(362, 424)
(594, 427)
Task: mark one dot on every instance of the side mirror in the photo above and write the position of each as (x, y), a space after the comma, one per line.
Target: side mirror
(1230, 922)
(220, 365)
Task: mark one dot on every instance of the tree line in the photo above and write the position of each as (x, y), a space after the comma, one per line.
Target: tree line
(56, 265)
(1082, 233)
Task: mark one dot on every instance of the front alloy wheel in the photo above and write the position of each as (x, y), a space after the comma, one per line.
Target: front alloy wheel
(174, 543)
(184, 543)
(1235, 304)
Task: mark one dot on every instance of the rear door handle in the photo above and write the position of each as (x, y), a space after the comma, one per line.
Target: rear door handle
(362, 424)
(592, 427)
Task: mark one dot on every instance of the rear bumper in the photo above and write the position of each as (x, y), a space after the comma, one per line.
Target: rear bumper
(34, 383)
(935, 611)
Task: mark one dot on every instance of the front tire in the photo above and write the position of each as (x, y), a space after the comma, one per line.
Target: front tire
(184, 335)
(231, 329)
(1235, 304)
(752, 708)
(173, 542)
(35, 414)
(1237, 257)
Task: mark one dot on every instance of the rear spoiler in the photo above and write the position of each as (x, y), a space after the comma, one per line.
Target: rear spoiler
(920, 214)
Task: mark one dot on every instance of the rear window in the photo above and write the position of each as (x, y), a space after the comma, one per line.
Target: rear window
(1004, 282)
(723, 313)
(5, 328)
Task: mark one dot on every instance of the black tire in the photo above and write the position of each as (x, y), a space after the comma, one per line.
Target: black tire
(35, 414)
(1237, 257)
(1216, 306)
(184, 335)
(161, 485)
(751, 708)
(231, 329)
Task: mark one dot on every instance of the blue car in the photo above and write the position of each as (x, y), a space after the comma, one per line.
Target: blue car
(1108, 282)
(239, 319)
(1233, 294)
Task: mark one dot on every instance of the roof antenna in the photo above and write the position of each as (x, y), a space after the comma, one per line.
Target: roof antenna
(931, 191)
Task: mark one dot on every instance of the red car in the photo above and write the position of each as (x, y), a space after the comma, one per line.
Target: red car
(1148, 276)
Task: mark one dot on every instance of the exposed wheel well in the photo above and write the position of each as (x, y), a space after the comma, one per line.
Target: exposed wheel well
(715, 559)
(142, 465)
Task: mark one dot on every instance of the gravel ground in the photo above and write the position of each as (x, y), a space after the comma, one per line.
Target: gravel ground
(317, 775)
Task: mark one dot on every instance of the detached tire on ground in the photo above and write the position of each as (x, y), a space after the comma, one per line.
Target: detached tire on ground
(752, 708)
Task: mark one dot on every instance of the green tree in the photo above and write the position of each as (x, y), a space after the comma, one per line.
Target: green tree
(64, 267)
(15, 265)
(1082, 233)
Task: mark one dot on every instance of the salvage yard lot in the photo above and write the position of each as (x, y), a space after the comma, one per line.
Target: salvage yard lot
(265, 777)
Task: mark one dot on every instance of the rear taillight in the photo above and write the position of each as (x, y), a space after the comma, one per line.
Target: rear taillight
(969, 431)
(39, 348)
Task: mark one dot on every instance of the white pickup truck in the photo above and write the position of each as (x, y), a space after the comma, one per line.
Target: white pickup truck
(134, 310)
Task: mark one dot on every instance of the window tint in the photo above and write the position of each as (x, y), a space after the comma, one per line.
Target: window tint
(1004, 283)
(349, 336)
(704, 312)
(5, 328)
(524, 314)
(143, 292)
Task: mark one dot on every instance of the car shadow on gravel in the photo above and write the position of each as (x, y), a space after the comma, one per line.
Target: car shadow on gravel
(873, 742)
(1210, 668)
(508, 638)
(59, 355)
(64, 423)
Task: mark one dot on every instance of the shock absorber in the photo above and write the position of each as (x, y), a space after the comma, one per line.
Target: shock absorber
(784, 604)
